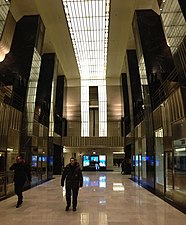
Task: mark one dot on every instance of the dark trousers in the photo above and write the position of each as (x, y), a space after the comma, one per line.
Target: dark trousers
(74, 192)
(19, 190)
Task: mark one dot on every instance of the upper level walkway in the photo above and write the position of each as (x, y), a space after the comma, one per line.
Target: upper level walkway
(107, 198)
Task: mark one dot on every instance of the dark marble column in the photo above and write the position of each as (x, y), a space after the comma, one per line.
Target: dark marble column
(57, 158)
(125, 104)
(135, 85)
(151, 44)
(60, 105)
(179, 58)
(15, 69)
(44, 88)
(158, 61)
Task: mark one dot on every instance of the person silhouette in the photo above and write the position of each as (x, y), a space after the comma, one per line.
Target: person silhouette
(21, 174)
(74, 180)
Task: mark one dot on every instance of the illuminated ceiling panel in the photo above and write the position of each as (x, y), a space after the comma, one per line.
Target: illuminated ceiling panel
(174, 23)
(88, 22)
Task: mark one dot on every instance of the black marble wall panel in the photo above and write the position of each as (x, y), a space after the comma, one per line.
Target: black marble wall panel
(149, 133)
(44, 88)
(159, 65)
(183, 7)
(122, 126)
(57, 160)
(15, 69)
(158, 59)
(137, 101)
(126, 103)
(64, 127)
(179, 59)
(60, 105)
(128, 161)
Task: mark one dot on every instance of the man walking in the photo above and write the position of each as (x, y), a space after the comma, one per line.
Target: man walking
(74, 179)
(21, 174)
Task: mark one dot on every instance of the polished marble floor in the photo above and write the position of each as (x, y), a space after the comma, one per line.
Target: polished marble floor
(106, 199)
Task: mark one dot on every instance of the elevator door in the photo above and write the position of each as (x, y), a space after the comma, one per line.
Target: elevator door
(2, 175)
(169, 181)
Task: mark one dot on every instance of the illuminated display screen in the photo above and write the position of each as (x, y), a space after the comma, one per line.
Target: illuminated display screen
(86, 160)
(94, 158)
(102, 160)
(34, 161)
(97, 161)
(43, 158)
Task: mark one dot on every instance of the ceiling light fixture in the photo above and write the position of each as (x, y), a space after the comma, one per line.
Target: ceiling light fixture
(88, 23)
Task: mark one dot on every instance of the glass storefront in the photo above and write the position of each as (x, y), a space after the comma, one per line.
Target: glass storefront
(180, 169)
(159, 149)
(144, 166)
(39, 168)
(168, 173)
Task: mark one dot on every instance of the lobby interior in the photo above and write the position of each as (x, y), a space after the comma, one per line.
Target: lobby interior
(103, 81)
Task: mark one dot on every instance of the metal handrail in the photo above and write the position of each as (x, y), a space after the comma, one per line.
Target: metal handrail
(165, 89)
(8, 96)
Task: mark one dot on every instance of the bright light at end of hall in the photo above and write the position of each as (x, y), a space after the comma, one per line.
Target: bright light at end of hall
(88, 23)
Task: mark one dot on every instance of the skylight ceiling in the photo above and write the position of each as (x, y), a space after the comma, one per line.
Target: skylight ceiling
(88, 22)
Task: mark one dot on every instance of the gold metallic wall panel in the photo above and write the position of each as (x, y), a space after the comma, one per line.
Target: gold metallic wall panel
(167, 142)
(93, 141)
(10, 125)
(157, 118)
(179, 129)
(176, 105)
(34, 141)
(13, 139)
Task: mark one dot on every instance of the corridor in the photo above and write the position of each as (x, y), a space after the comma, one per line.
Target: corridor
(107, 198)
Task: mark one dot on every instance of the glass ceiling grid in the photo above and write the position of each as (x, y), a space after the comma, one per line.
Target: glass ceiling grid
(143, 74)
(88, 25)
(84, 108)
(32, 88)
(174, 23)
(4, 7)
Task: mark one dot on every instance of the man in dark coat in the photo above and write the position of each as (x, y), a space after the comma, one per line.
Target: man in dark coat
(74, 179)
(21, 174)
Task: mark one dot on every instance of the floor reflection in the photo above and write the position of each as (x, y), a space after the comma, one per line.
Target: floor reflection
(107, 198)
(89, 181)
(118, 187)
(87, 219)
